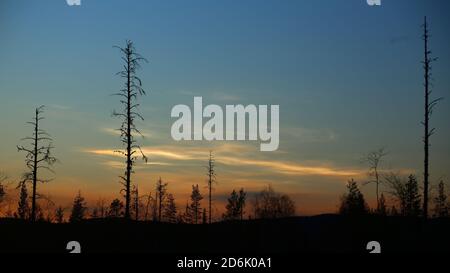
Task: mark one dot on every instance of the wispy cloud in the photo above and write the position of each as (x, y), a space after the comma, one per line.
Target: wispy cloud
(116, 132)
(290, 168)
(234, 155)
(121, 165)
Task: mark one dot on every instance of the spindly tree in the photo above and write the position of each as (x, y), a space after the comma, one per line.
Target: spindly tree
(129, 94)
(374, 159)
(429, 105)
(211, 173)
(38, 156)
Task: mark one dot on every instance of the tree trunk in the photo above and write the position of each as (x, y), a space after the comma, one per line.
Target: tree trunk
(33, 198)
(426, 123)
(128, 178)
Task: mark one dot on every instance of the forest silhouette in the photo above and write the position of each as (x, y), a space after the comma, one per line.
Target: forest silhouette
(265, 221)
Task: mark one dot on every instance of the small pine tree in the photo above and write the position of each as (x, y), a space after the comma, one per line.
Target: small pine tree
(235, 205)
(23, 208)
(412, 198)
(195, 207)
(79, 209)
(59, 215)
(115, 209)
(170, 209)
(441, 207)
(353, 203)
(232, 207)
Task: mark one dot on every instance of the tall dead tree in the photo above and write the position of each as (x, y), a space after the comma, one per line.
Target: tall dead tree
(129, 95)
(211, 173)
(374, 159)
(429, 105)
(38, 156)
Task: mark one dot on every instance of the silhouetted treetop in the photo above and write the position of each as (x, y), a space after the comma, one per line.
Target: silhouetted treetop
(353, 202)
(79, 209)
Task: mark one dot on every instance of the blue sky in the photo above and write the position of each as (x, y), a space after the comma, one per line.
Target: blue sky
(347, 77)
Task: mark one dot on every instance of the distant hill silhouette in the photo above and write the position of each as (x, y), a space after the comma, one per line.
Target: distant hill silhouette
(323, 233)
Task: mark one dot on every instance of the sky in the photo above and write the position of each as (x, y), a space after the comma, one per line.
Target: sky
(347, 78)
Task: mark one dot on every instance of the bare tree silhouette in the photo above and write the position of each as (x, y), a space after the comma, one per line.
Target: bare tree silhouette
(429, 106)
(37, 157)
(211, 180)
(129, 94)
(374, 159)
(270, 204)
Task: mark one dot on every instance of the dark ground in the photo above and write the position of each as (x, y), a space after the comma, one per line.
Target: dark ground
(324, 233)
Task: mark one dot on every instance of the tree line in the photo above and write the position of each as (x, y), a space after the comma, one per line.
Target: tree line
(159, 207)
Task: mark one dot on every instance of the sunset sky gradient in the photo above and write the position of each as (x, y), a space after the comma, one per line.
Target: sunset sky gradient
(347, 77)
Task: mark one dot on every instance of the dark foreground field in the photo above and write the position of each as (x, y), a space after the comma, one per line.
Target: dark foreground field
(325, 233)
